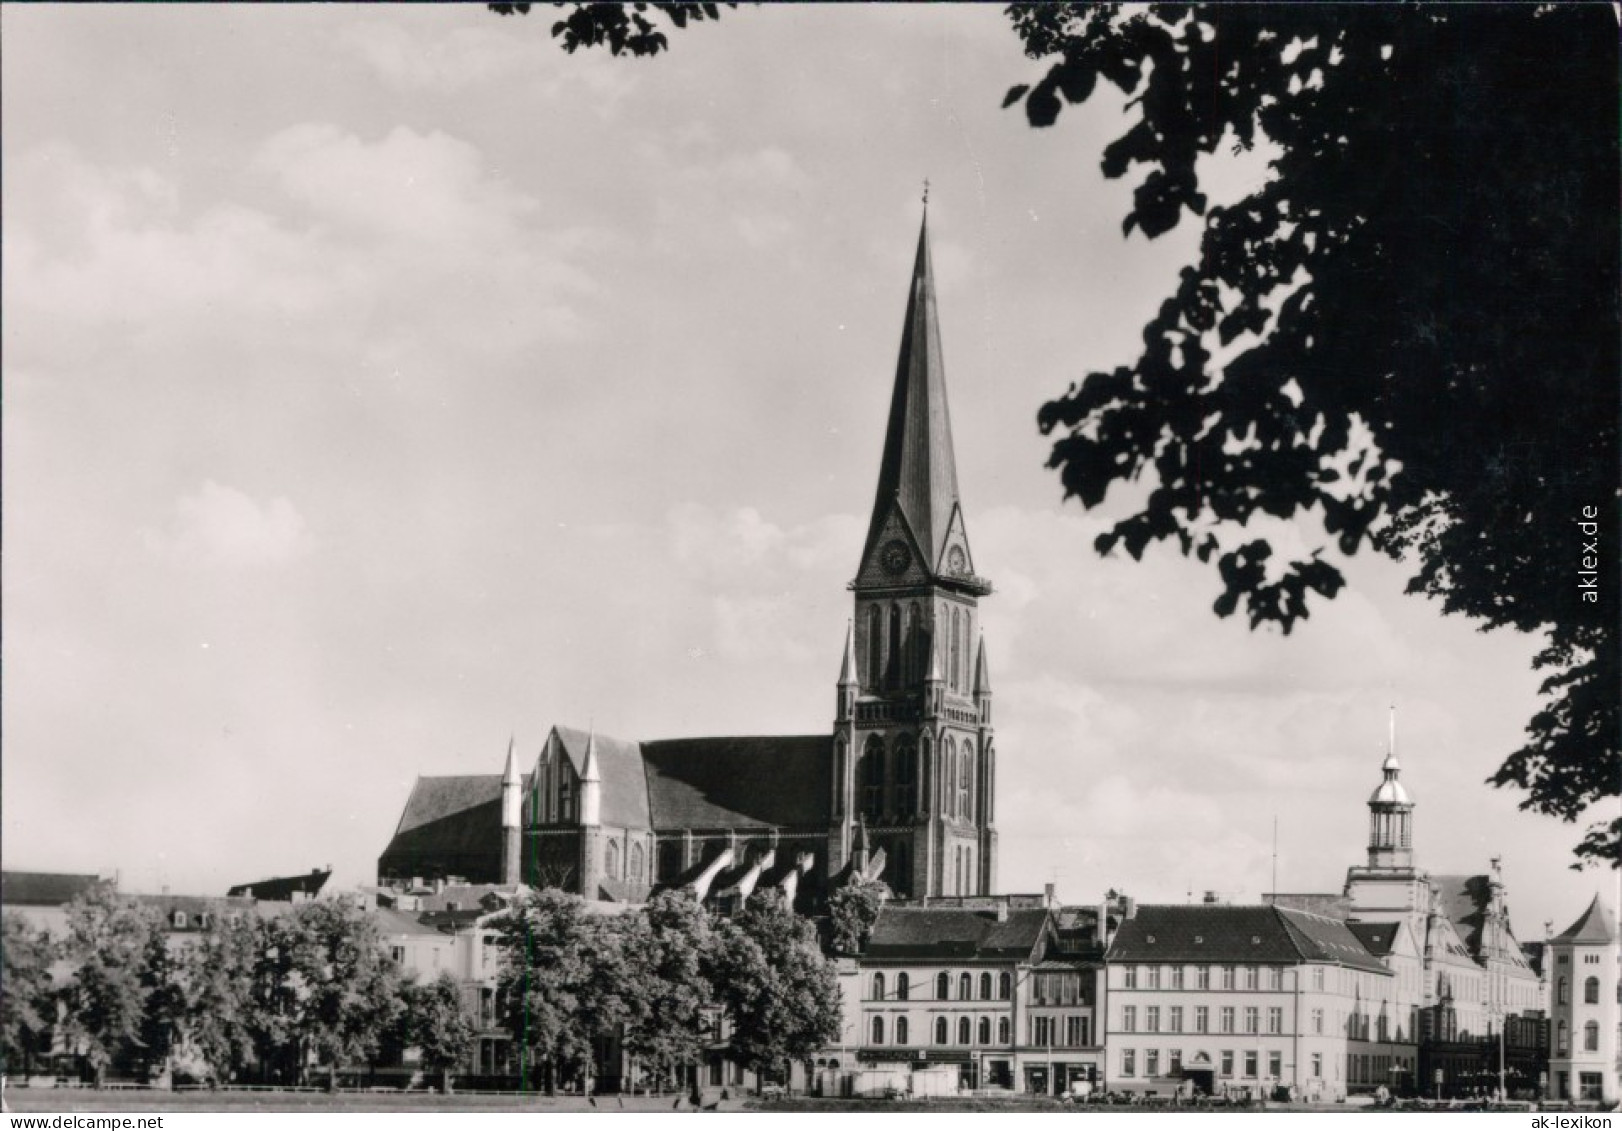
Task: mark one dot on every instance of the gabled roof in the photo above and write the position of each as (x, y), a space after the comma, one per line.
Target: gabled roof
(619, 766)
(949, 932)
(1377, 938)
(392, 923)
(452, 824)
(776, 782)
(1464, 900)
(281, 888)
(45, 889)
(918, 469)
(1206, 932)
(1593, 927)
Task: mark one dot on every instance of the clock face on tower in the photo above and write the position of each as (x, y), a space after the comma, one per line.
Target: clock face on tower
(895, 557)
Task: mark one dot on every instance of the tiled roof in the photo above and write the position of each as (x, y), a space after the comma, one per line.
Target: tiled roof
(1593, 927)
(931, 932)
(450, 824)
(1464, 901)
(1223, 933)
(625, 787)
(391, 922)
(283, 887)
(45, 889)
(1377, 938)
(1319, 903)
(700, 783)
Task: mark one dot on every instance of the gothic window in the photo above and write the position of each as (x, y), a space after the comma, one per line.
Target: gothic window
(985, 1030)
(903, 986)
(962, 1030)
(893, 672)
(940, 1028)
(906, 778)
(611, 861)
(949, 758)
(839, 778)
(875, 646)
(965, 987)
(1591, 991)
(901, 1034)
(565, 797)
(957, 651)
(990, 799)
(873, 778)
(985, 987)
(638, 862)
(878, 987)
(924, 786)
(916, 643)
(943, 986)
(899, 868)
(1005, 987)
(878, 1030)
(964, 776)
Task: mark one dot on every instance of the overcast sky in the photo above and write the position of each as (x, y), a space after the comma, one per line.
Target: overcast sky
(381, 382)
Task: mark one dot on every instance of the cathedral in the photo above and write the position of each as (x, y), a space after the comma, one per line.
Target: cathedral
(902, 787)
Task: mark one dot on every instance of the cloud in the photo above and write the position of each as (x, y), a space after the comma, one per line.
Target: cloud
(443, 61)
(220, 526)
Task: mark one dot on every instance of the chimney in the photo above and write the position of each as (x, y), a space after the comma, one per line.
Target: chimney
(1002, 911)
(1131, 906)
(1048, 896)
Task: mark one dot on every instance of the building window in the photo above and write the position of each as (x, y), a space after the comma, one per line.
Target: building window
(611, 860)
(565, 798)
(1591, 1037)
(397, 953)
(1562, 994)
(638, 862)
(1129, 1062)
(900, 1030)
(1202, 1019)
(1275, 1019)
(1153, 973)
(985, 987)
(1275, 1064)
(873, 778)
(1275, 978)
(985, 1030)
(1250, 1064)
(1227, 1019)
(903, 986)
(1317, 977)
(1129, 978)
(965, 987)
(1317, 1066)
(906, 779)
(1174, 1062)
(1176, 977)
(878, 987)
(1151, 1062)
(1591, 991)
(1176, 1019)
(1151, 1019)
(878, 1030)
(940, 1031)
(962, 1030)
(1227, 1062)
(966, 772)
(1250, 977)
(1202, 977)
(1590, 1085)
(1252, 1019)
(180, 919)
(943, 986)
(1005, 987)
(1075, 1031)
(1004, 1031)
(1227, 977)
(1562, 1039)
(1129, 1019)
(1317, 1021)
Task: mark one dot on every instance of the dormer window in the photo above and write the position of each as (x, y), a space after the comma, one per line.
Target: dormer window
(179, 920)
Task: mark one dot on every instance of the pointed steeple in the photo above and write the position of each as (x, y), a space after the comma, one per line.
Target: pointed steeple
(918, 470)
(591, 783)
(509, 775)
(847, 667)
(982, 677)
(589, 770)
(1593, 927)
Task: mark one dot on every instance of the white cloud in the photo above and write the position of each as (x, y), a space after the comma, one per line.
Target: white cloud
(220, 526)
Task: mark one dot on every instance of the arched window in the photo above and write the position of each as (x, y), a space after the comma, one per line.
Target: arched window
(1591, 1037)
(1591, 991)
(943, 986)
(949, 764)
(985, 1030)
(900, 1030)
(940, 1029)
(1562, 995)
(639, 862)
(878, 1030)
(916, 653)
(1004, 1030)
(965, 775)
(878, 987)
(875, 646)
(965, 987)
(903, 986)
(873, 778)
(839, 778)
(989, 801)
(893, 672)
(962, 1030)
(611, 864)
(565, 796)
(1005, 987)
(898, 868)
(906, 778)
(985, 987)
(927, 779)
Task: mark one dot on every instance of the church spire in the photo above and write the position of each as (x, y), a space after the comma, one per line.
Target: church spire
(918, 471)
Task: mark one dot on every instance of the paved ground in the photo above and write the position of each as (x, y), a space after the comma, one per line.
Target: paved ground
(22, 1100)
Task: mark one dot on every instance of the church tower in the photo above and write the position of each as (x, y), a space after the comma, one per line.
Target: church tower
(913, 748)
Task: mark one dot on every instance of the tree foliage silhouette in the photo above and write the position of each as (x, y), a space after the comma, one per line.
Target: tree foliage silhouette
(1408, 336)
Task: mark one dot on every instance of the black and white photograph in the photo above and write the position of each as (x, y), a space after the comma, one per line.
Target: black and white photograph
(810, 558)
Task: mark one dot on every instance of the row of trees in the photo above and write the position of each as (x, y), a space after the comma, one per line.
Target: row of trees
(296, 997)
(666, 979)
(276, 999)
